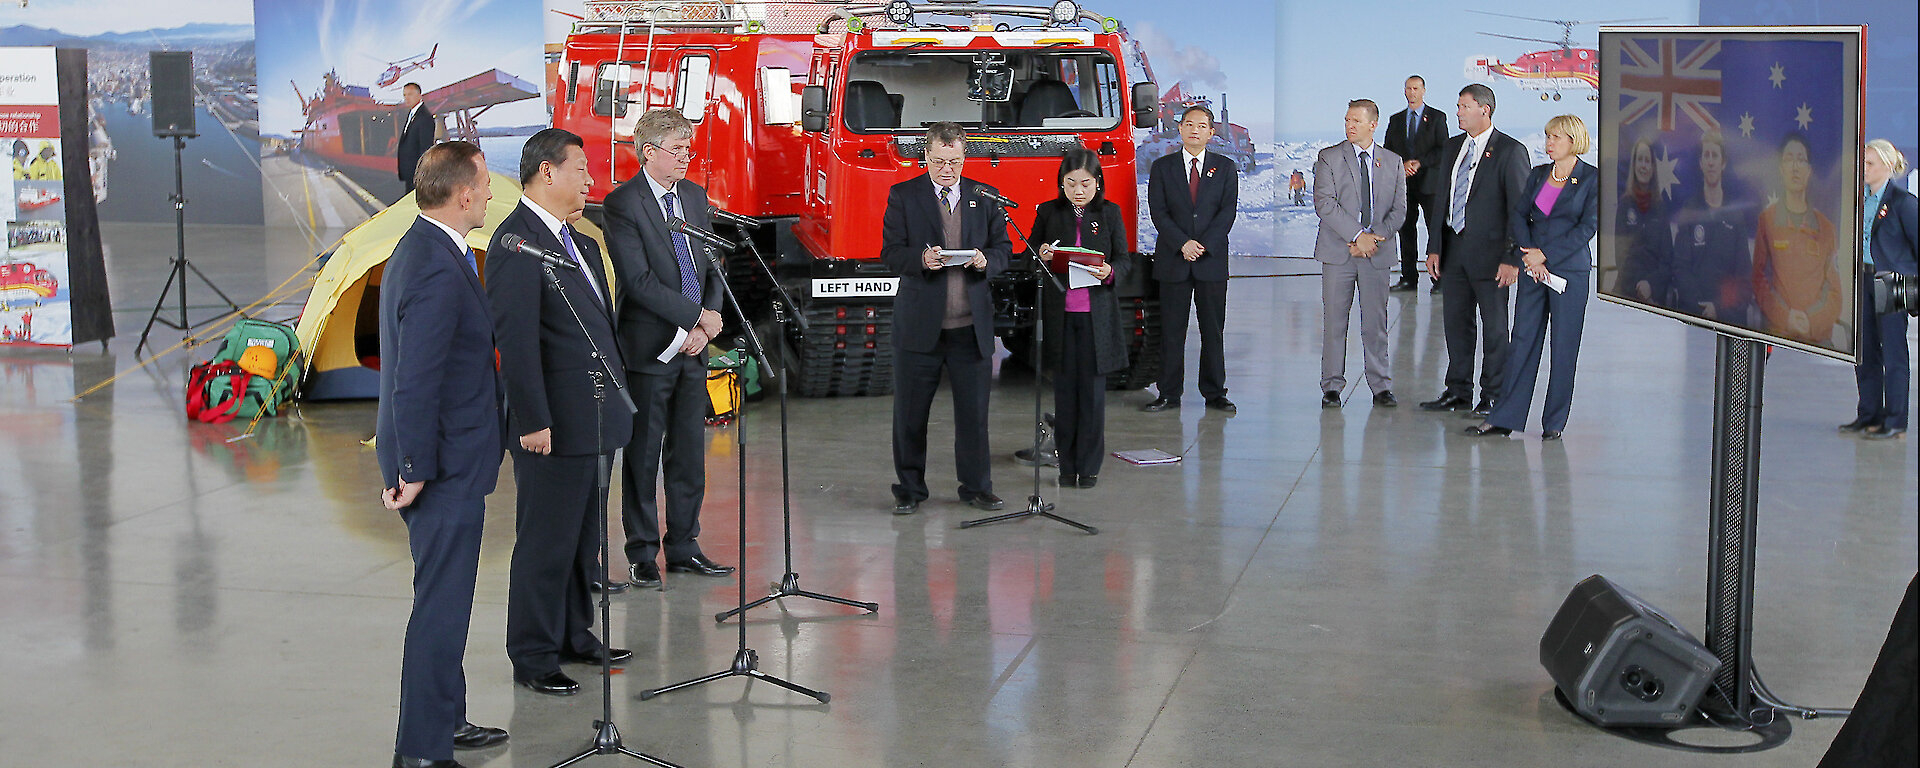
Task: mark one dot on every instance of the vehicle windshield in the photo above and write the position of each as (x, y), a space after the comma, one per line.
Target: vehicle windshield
(1069, 90)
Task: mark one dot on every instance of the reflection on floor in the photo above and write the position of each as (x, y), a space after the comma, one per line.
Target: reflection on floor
(1339, 587)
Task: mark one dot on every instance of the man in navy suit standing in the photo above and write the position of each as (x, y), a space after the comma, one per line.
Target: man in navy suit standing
(416, 133)
(670, 296)
(1193, 195)
(558, 429)
(438, 437)
(1416, 134)
(943, 315)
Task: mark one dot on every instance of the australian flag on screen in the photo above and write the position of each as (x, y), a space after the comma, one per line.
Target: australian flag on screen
(1754, 92)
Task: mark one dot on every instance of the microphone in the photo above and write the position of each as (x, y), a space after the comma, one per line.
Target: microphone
(519, 244)
(681, 226)
(730, 217)
(1004, 201)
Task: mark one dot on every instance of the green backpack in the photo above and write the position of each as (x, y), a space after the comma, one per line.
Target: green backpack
(253, 373)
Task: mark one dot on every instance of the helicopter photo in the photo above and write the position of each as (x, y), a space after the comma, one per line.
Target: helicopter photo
(1548, 72)
(399, 69)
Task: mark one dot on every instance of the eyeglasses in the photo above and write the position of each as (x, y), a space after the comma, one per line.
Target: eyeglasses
(683, 153)
(946, 163)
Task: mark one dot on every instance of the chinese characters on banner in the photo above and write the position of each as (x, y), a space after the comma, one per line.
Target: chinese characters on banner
(34, 298)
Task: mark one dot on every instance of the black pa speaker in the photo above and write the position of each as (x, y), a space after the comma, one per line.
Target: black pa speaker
(1621, 661)
(172, 91)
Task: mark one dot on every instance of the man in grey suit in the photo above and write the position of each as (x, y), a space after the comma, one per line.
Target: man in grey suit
(1360, 193)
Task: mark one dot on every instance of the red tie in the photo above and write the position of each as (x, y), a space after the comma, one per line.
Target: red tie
(1193, 182)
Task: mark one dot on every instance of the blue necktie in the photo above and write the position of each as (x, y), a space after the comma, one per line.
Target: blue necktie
(472, 263)
(586, 270)
(1457, 212)
(689, 281)
(1366, 193)
(1413, 124)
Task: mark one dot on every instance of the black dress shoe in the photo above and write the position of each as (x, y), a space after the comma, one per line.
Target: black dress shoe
(1088, 481)
(1329, 399)
(1222, 404)
(1404, 285)
(620, 656)
(1069, 481)
(698, 564)
(472, 736)
(1159, 405)
(1856, 425)
(402, 761)
(1884, 433)
(555, 683)
(616, 588)
(1445, 403)
(1551, 434)
(905, 506)
(985, 501)
(644, 575)
(1484, 407)
(1436, 287)
(1482, 430)
(1385, 399)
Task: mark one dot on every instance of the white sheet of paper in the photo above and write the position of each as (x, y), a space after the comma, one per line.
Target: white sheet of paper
(1556, 282)
(1080, 276)
(955, 258)
(679, 338)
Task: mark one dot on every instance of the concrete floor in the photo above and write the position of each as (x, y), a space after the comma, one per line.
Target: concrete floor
(1352, 587)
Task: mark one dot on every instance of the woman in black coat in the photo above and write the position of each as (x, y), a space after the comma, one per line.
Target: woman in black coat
(1893, 236)
(1092, 344)
(1556, 217)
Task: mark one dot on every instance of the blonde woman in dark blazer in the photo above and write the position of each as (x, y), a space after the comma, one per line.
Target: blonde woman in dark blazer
(1553, 225)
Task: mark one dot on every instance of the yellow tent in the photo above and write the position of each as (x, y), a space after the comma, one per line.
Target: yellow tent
(340, 327)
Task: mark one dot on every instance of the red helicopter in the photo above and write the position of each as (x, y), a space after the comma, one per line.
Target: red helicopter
(399, 69)
(1547, 72)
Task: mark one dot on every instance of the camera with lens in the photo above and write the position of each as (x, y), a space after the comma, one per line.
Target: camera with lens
(1895, 292)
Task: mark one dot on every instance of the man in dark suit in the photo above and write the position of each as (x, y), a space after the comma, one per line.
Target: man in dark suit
(1480, 179)
(1193, 195)
(1417, 135)
(416, 133)
(438, 438)
(942, 315)
(558, 430)
(669, 308)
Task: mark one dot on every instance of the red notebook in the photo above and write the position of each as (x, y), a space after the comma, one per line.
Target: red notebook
(1065, 253)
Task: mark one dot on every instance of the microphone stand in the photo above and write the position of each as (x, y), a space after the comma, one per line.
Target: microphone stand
(746, 661)
(1036, 505)
(789, 583)
(606, 737)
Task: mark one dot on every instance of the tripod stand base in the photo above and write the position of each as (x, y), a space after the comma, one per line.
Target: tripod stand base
(746, 663)
(606, 741)
(789, 586)
(1739, 736)
(1035, 508)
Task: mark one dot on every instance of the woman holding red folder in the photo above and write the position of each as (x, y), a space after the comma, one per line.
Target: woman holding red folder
(1087, 320)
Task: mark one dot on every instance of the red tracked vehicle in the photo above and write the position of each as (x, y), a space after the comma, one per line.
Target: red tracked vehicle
(806, 113)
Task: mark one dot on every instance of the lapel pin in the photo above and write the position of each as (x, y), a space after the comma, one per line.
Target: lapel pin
(973, 203)
(1883, 212)
(1095, 226)
(1488, 155)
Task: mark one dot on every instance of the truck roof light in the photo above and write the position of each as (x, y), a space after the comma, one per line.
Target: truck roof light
(1065, 12)
(899, 13)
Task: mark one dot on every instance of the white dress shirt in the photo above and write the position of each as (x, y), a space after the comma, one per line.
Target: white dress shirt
(1469, 154)
(553, 225)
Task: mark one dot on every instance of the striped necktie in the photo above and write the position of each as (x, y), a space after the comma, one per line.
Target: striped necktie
(689, 278)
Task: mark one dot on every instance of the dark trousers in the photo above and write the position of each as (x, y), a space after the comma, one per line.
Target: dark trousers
(1538, 312)
(1880, 732)
(670, 434)
(1463, 297)
(443, 533)
(1883, 370)
(556, 554)
(1079, 400)
(1412, 256)
(1208, 300)
(916, 377)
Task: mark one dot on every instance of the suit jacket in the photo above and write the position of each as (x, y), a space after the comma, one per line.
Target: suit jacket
(439, 415)
(1895, 231)
(1424, 147)
(546, 361)
(650, 304)
(1103, 230)
(1336, 198)
(414, 141)
(1179, 218)
(911, 223)
(1487, 240)
(1564, 235)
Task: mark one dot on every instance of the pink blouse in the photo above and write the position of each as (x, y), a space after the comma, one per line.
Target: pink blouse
(1548, 194)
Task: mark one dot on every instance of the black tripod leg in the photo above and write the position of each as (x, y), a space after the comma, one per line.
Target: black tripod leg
(730, 612)
(1051, 516)
(652, 692)
(870, 607)
(154, 317)
(216, 289)
(998, 518)
(820, 696)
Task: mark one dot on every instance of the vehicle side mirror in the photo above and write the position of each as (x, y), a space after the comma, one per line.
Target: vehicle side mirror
(1146, 104)
(813, 108)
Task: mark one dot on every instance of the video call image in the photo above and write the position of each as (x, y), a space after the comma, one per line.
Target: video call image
(1732, 162)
